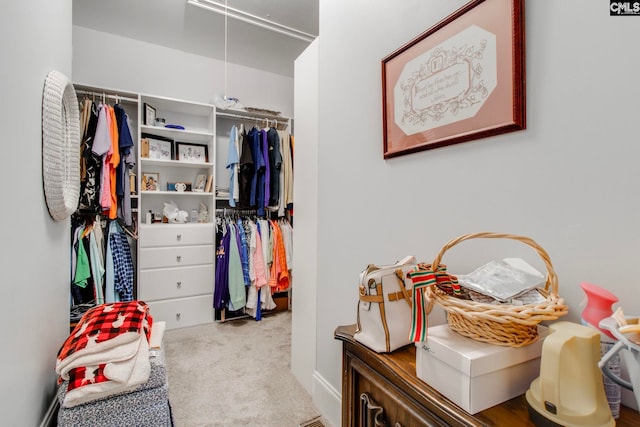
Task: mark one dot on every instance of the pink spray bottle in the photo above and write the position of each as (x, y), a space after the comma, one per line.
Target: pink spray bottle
(599, 306)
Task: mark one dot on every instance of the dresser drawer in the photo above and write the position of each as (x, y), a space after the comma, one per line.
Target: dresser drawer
(165, 283)
(175, 257)
(183, 312)
(176, 235)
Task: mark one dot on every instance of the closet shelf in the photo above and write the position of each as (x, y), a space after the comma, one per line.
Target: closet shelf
(175, 163)
(188, 133)
(176, 193)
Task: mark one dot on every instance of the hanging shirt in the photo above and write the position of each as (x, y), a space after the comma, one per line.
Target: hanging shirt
(232, 164)
(101, 146)
(97, 266)
(265, 240)
(246, 171)
(92, 165)
(127, 162)
(236, 176)
(279, 275)
(221, 290)
(275, 165)
(258, 166)
(83, 271)
(287, 237)
(265, 177)
(113, 159)
(119, 256)
(264, 293)
(244, 252)
(237, 293)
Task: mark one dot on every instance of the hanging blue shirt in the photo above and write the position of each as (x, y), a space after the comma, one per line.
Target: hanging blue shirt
(258, 164)
(244, 252)
(232, 161)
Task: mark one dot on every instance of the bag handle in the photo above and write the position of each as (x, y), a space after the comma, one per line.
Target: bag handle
(552, 278)
(400, 277)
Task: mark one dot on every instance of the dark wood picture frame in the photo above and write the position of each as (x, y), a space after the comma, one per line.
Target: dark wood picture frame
(463, 79)
(149, 114)
(189, 152)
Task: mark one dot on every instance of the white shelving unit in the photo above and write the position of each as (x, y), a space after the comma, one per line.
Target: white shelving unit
(199, 128)
(176, 266)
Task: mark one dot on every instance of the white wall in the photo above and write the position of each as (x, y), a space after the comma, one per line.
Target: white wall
(35, 38)
(305, 244)
(111, 61)
(570, 180)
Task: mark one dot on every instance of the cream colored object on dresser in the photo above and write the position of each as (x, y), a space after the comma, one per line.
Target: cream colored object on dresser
(177, 272)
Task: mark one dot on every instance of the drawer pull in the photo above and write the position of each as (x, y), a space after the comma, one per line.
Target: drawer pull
(178, 285)
(179, 237)
(177, 316)
(371, 415)
(178, 258)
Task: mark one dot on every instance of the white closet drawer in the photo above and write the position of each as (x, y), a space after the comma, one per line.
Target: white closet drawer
(165, 283)
(175, 257)
(176, 235)
(183, 312)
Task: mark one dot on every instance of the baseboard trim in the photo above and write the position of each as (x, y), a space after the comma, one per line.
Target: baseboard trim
(327, 399)
(51, 416)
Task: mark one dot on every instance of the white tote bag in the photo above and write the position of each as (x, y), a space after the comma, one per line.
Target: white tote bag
(384, 306)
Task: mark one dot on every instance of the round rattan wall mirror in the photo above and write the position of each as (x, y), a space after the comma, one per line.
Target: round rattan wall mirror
(60, 146)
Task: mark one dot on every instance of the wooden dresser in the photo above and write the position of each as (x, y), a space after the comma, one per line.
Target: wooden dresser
(383, 390)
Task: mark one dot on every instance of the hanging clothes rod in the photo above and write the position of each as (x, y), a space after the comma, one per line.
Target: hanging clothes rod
(249, 118)
(235, 211)
(104, 95)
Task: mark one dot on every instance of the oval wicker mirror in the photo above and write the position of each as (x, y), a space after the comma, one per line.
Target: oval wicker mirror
(60, 146)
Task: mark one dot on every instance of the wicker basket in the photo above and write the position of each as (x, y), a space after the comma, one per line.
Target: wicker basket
(504, 324)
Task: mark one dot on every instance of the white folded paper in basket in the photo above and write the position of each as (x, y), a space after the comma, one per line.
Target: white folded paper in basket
(503, 280)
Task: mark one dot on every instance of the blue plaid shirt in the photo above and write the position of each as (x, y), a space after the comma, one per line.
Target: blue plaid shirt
(122, 264)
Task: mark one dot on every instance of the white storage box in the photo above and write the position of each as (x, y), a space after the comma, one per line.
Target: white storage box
(476, 375)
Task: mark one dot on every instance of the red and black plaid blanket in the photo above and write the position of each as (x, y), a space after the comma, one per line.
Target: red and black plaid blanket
(106, 352)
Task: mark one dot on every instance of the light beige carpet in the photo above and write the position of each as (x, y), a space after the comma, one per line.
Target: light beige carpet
(235, 373)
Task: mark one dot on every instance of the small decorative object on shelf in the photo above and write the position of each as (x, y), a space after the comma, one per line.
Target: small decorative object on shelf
(180, 187)
(132, 183)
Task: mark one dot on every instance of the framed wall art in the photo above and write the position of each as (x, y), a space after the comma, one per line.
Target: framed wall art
(195, 153)
(160, 149)
(463, 79)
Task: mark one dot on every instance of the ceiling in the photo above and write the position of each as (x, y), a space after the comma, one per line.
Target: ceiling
(178, 25)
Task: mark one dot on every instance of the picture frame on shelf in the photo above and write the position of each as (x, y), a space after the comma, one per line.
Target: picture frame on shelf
(160, 149)
(207, 188)
(463, 79)
(189, 152)
(149, 115)
(150, 181)
(200, 183)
